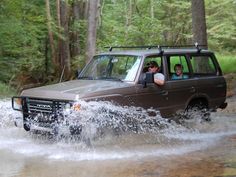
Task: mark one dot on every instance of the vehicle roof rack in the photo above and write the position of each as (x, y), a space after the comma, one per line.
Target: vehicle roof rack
(131, 47)
(147, 47)
(160, 47)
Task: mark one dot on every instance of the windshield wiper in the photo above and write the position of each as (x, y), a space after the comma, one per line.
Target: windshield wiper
(100, 78)
(86, 78)
(109, 79)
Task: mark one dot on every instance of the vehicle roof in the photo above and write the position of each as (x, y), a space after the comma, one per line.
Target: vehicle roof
(155, 51)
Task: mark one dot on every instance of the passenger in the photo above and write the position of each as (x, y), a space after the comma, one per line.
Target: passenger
(159, 78)
(179, 73)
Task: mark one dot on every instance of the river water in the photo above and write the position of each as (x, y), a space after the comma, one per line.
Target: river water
(195, 148)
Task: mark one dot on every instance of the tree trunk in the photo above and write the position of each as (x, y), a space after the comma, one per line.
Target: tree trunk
(102, 4)
(199, 30)
(58, 8)
(92, 29)
(75, 45)
(58, 5)
(86, 7)
(50, 34)
(46, 56)
(199, 22)
(64, 49)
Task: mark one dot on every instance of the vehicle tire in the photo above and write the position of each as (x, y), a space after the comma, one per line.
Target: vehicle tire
(55, 130)
(75, 129)
(26, 126)
(198, 109)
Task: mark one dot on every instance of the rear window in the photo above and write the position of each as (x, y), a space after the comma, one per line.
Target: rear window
(178, 67)
(174, 60)
(203, 65)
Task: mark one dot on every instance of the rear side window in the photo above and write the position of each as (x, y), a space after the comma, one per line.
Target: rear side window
(178, 67)
(203, 65)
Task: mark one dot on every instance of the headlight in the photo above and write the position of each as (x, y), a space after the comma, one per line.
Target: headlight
(17, 103)
(67, 108)
(76, 107)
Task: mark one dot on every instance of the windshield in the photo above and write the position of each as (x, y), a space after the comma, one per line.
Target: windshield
(112, 67)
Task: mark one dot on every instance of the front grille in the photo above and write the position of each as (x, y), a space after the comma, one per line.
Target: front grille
(44, 106)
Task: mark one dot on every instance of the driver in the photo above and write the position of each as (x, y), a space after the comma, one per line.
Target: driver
(159, 78)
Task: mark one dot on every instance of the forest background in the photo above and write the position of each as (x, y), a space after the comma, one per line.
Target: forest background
(39, 39)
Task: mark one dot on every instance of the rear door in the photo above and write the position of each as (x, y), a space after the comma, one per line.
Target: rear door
(183, 89)
(210, 82)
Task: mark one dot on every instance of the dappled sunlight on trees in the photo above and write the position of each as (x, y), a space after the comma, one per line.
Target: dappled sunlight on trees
(33, 42)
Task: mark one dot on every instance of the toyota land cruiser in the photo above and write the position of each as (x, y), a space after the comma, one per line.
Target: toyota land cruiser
(118, 76)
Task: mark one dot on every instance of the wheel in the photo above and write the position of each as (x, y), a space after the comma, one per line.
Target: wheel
(198, 109)
(75, 129)
(26, 126)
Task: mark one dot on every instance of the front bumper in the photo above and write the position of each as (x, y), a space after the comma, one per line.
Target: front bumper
(45, 115)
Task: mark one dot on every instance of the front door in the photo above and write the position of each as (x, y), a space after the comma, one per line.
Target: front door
(153, 95)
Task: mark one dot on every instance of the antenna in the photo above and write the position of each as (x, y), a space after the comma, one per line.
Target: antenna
(62, 73)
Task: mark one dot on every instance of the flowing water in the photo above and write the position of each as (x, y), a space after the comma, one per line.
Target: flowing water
(123, 141)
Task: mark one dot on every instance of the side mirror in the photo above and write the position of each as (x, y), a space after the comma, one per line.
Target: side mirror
(149, 78)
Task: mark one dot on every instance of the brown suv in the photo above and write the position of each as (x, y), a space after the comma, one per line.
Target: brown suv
(119, 76)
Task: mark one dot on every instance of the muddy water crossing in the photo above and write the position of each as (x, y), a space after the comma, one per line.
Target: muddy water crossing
(194, 149)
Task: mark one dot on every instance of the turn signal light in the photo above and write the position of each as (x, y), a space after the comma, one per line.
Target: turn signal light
(76, 107)
(17, 103)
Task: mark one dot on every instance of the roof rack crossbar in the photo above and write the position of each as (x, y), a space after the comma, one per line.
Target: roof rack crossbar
(160, 47)
(130, 47)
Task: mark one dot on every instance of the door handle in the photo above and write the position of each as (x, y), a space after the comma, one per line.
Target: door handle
(164, 92)
(220, 85)
(192, 90)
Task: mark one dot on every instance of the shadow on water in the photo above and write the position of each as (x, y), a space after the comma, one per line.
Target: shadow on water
(121, 141)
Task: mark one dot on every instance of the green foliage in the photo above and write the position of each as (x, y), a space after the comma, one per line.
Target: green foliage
(227, 63)
(6, 91)
(80, 27)
(221, 23)
(24, 45)
(22, 33)
(169, 23)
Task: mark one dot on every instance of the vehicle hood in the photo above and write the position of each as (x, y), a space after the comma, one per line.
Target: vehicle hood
(75, 89)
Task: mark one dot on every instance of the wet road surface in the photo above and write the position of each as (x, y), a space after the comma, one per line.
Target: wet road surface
(199, 149)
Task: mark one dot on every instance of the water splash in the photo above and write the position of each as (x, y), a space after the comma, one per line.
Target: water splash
(99, 116)
(7, 114)
(123, 132)
(96, 119)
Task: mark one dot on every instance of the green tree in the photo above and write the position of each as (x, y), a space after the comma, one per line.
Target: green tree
(26, 55)
(221, 24)
(22, 27)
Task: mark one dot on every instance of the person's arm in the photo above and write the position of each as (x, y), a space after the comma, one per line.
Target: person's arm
(159, 82)
(159, 79)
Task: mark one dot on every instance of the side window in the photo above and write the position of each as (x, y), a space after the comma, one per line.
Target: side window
(203, 65)
(157, 59)
(178, 67)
